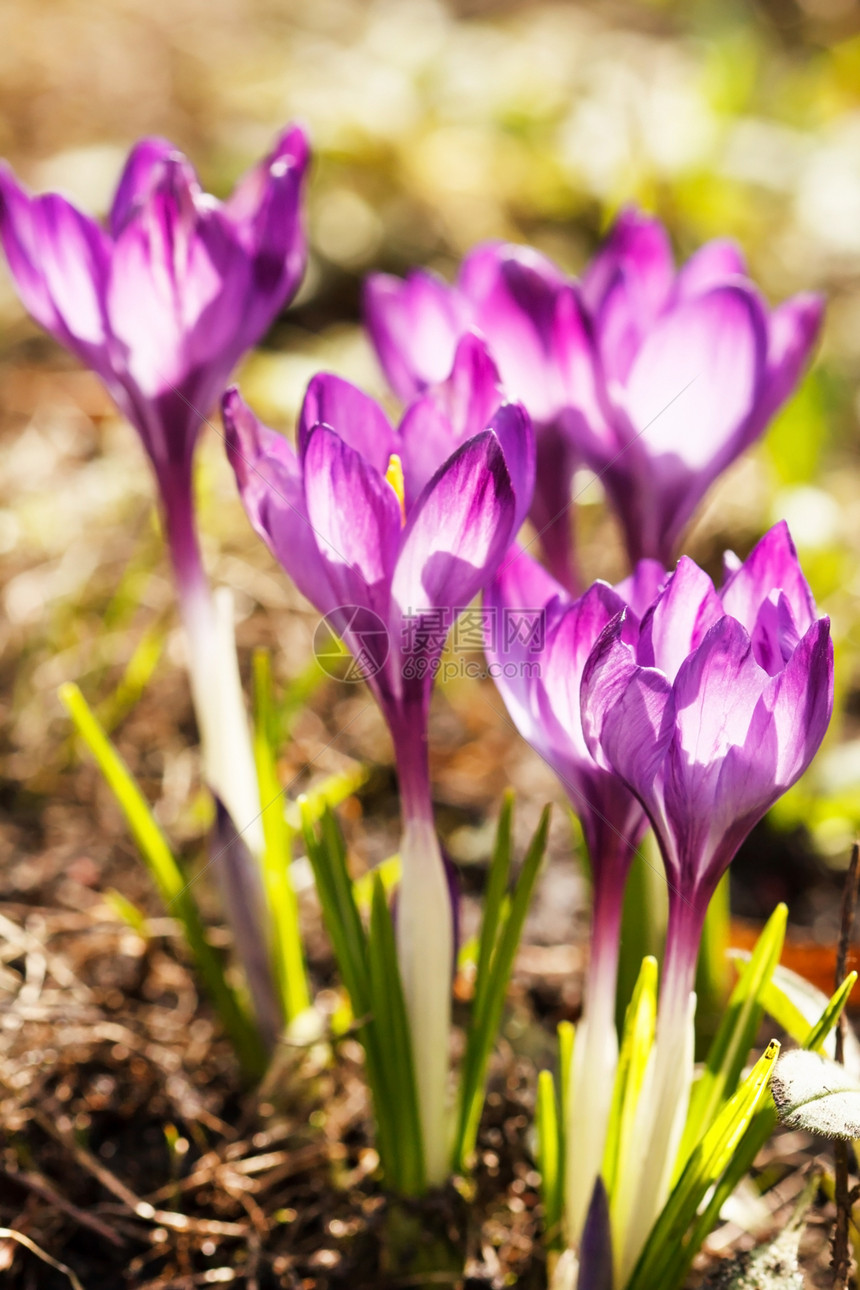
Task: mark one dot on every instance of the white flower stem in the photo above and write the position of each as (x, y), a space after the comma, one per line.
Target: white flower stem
(425, 938)
(425, 948)
(595, 1058)
(216, 687)
(213, 667)
(645, 1176)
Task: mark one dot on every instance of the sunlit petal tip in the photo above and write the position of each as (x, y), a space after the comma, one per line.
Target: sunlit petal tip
(142, 169)
(355, 416)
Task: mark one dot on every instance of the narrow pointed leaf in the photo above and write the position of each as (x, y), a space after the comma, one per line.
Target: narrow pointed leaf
(238, 879)
(736, 1035)
(796, 1004)
(706, 1165)
(487, 1011)
(327, 856)
(287, 952)
(831, 1014)
(636, 1043)
(173, 887)
(392, 1027)
(388, 871)
(330, 793)
(135, 678)
(548, 1156)
(497, 884)
(566, 1033)
(757, 1135)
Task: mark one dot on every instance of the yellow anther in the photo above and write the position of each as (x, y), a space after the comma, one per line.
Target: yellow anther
(394, 475)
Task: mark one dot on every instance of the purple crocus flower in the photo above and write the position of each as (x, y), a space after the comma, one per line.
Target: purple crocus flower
(532, 319)
(161, 304)
(693, 367)
(391, 534)
(656, 379)
(708, 717)
(538, 642)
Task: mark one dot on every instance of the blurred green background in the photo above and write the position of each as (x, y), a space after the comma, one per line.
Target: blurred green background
(433, 126)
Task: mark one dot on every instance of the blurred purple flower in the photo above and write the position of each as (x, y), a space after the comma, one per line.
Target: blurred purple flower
(163, 302)
(161, 305)
(405, 528)
(657, 379)
(533, 322)
(694, 365)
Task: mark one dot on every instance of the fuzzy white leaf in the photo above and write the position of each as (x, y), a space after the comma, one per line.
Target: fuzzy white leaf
(818, 1095)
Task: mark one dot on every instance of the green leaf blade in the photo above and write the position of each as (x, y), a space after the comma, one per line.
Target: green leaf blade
(281, 902)
(736, 1034)
(174, 889)
(487, 1008)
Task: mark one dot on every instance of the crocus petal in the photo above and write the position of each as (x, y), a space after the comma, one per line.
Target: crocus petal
(353, 415)
(696, 379)
(793, 329)
(141, 171)
(356, 517)
(626, 287)
(458, 531)
(637, 246)
(265, 212)
(472, 391)
(522, 582)
(595, 1255)
(627, 715)
(775, 635)
(18, 232)
(575, 351)
(550, 514)
(786, 730)
(771, 566)
(715, 693)
(290, 152)
(513, 429)
(451, 412)
(270, 486)
(620, 327)
(679, 619)
(516, 604)
(163, 279)
(799, 703)
(513, 291)
(58, 258)
(710, 266)
(414, 325)
(426, 439)
(571, 635)
(642, 587)
(73, 255)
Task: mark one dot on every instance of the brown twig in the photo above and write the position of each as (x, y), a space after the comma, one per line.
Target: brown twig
(841, 1262)
(140, 1208)
(41, 1187)
(11, 1234)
